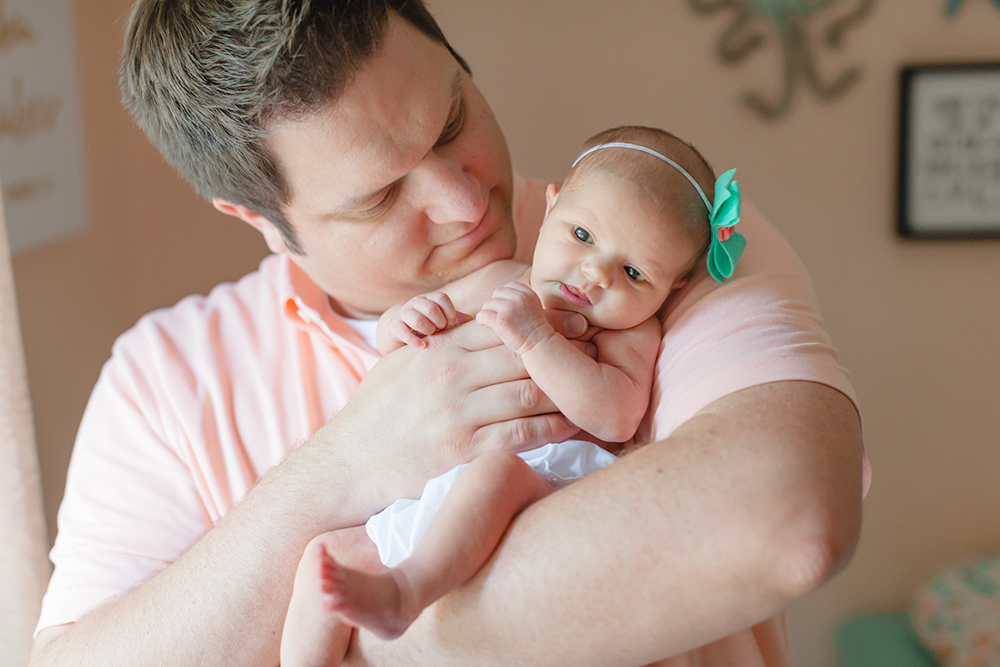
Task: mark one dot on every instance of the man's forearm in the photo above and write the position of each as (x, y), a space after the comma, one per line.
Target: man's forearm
(745, 508)
(223, 602)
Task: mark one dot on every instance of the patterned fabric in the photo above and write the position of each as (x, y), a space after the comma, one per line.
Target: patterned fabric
(957, 615)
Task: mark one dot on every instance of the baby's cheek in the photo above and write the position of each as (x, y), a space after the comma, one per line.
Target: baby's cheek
(549, 301)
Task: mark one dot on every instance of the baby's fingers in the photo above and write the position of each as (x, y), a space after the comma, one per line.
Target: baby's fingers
(487, 316)
(444, 307)
(515, 291)
(429, 313)
(401, 332)
(419, 322)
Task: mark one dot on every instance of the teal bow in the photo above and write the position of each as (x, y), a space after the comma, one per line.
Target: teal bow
(725, 253)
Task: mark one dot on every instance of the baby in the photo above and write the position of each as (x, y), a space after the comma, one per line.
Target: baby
(626, 228)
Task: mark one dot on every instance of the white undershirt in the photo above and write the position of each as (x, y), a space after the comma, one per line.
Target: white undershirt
(366, 328)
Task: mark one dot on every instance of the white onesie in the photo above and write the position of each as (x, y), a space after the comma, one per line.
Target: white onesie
(397, 529)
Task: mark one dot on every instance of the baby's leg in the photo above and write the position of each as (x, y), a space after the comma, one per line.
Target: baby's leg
(314, 635)
(473, 517)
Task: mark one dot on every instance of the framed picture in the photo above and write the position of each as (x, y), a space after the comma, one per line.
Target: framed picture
(949, 151)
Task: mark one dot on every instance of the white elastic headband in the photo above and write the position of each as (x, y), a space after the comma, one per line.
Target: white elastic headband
(650, 151)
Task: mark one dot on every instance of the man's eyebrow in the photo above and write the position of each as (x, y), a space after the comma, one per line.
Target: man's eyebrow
(354, 203)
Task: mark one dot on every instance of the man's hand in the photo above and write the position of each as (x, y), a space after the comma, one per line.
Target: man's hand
(419, 413)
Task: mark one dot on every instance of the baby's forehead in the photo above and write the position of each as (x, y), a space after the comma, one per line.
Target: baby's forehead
(659, 190)
(650, 229)
(586, 185)
(596, 188)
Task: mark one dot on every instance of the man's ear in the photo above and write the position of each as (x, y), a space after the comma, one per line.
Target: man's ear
(551, 196)
(272, 236)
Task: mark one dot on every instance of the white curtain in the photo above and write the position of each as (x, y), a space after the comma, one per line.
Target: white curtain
(24, 566)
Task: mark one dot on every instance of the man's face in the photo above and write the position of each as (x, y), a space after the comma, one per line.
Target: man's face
(402, 185)
(607, 252)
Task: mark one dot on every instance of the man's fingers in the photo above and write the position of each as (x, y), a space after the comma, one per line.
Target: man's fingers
(588, 349)
(567, 323)
(470, 336)
(510, 400)
(469, 357)
(491, 367)
(518, 435)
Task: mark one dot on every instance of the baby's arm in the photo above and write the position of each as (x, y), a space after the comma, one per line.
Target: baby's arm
(605, 397)
(408, 323)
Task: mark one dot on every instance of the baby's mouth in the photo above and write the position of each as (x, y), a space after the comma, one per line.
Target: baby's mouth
(574, 295)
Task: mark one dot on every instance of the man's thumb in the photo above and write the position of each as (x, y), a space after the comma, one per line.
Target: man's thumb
(569, 324)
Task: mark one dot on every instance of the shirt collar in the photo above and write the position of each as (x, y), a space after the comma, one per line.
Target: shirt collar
(308, 307)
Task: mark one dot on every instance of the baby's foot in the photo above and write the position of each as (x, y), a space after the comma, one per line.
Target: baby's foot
(381, 602)
(314, 635)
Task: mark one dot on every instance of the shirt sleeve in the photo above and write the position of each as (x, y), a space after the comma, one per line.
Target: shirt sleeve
(131, 504)
(762, 325)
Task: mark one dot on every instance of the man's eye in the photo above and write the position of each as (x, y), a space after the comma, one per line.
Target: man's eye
(379, 206)
(582, 234)
(633, 275)
(454, 128)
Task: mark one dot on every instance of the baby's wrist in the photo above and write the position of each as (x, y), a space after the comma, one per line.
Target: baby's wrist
(536, 339)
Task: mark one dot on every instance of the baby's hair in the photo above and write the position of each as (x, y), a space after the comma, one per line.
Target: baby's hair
(661, 183)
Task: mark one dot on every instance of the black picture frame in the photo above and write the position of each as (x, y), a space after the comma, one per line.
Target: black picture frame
(949, 151)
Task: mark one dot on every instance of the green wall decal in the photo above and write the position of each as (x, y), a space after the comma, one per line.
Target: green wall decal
(756, 22)
(951, 7)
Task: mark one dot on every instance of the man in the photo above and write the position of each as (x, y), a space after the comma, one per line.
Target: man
(229, 431)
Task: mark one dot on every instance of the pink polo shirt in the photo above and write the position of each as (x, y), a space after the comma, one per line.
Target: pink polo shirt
(199, 400)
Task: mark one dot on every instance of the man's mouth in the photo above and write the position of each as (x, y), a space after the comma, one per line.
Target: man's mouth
(574, 295)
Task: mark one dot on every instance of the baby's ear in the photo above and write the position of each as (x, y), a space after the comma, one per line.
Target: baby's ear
(551, 195)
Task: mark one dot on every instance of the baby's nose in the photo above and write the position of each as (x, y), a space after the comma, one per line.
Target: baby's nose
(596, 273)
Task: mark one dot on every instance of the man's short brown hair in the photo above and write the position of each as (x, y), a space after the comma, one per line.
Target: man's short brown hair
(203, 78)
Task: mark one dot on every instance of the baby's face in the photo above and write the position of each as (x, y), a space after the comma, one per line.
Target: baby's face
(608, 253)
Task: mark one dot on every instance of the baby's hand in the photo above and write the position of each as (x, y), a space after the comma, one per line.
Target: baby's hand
(515, 313)
(422, 316)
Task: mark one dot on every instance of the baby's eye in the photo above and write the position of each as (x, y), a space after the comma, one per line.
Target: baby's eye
(633, 275)
(582, 234)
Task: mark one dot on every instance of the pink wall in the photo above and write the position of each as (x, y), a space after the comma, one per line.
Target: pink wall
(918, 324)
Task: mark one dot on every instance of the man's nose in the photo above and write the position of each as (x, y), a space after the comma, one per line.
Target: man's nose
(449, 192)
